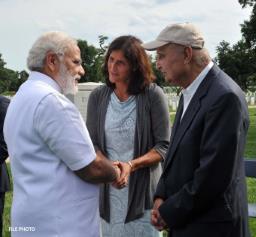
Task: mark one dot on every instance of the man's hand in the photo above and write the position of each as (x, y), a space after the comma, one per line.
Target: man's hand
(118, 174)
(100, 170)
(125, 170)
(156, 219)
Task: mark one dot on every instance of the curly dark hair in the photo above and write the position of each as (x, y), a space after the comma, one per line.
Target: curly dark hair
(141, 71)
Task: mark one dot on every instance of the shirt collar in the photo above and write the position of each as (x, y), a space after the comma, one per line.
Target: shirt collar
(191, 89)
(38, 76)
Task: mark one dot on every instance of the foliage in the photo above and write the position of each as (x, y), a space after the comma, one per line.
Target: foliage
(92, 59)
(248, 29)
(250, 150)
(238, 60)
(10, 80)
(239, 63)
(2, 62)
(88, 53)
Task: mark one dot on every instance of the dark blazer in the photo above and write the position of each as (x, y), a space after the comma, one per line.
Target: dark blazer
(4, 177)
(203, 181)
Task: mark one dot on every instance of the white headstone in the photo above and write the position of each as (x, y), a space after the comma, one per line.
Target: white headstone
(82, 96)
(252, 100)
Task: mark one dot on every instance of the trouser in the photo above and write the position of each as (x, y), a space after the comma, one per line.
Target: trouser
(211, 229)
(2, 196)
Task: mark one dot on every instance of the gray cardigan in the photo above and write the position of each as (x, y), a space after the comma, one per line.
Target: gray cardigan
(152, 131)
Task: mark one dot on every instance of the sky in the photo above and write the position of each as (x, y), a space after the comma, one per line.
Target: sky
(23, 21)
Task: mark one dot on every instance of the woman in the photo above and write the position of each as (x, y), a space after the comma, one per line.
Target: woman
(128, 121)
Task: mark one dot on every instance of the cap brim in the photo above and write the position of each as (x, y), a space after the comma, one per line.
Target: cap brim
(153, 45)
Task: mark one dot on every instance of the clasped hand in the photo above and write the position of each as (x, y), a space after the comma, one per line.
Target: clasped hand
(156, 219)
(124, 170)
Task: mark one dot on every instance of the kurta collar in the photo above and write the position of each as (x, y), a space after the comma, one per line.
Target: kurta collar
(38, 76)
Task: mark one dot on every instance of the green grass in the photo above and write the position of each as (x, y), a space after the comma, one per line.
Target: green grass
(250, 152)
(7, 209)
(251, 186)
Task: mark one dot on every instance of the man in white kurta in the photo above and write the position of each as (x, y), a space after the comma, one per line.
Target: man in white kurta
(47, 142)
(47, 139)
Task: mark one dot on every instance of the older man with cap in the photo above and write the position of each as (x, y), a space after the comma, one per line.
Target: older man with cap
(54, 166)
(202, 191)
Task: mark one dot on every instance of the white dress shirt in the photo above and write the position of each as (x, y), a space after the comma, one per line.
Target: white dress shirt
(48, 140)
(189, 92)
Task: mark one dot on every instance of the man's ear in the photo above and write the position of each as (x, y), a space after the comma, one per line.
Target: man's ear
(52, 61)
(188, 52)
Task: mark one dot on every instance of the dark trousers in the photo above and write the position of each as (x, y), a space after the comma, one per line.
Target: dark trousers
(2, 196)
(221, 229)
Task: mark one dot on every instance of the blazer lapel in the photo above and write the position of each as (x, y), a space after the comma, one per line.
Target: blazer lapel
(193, 108)
(177, 119)
(188, 117)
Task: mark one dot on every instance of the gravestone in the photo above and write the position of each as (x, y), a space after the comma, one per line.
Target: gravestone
(82, 96)
(252, 102)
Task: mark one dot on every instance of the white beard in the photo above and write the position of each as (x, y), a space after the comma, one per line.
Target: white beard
(66, 81)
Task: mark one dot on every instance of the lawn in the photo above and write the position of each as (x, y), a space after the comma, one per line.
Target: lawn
(249, 153)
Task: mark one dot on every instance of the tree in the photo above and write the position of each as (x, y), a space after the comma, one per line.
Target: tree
(103, 48)
(239, 60)
(92, 59)
(10, 80)
(248, 29)
(2, 62)
(88, 54)
(100, 57)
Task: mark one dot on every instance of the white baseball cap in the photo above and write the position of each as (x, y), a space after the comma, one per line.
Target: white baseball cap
(185, 34)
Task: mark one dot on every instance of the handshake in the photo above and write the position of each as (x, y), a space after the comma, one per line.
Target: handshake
(123, 171)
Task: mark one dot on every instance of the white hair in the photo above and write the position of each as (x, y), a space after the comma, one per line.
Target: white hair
(201, 57)
(55, 41)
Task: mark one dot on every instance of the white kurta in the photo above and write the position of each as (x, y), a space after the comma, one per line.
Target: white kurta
(47, 140)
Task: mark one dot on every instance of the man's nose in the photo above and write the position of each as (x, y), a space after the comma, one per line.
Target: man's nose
(158, 66)
(81, 71)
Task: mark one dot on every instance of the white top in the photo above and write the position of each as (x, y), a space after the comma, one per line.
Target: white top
(47, 140)
(189, 92)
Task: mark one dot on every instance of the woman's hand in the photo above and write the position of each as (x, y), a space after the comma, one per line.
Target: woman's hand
(125, 169)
